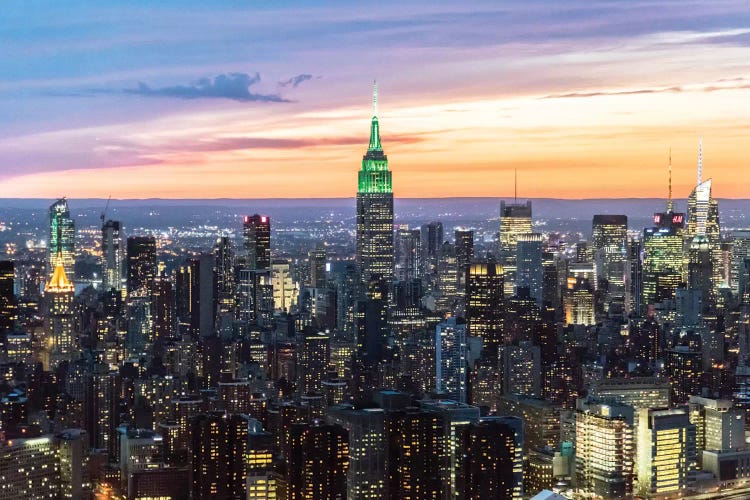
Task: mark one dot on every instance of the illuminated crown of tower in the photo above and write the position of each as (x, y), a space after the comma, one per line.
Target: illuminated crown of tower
(59, 281)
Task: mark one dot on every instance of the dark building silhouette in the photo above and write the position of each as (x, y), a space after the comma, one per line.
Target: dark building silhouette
(317, 461)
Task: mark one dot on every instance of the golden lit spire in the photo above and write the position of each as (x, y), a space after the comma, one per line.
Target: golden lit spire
(59, 281)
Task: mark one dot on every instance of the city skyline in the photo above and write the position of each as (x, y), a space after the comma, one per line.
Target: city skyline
(275, 103)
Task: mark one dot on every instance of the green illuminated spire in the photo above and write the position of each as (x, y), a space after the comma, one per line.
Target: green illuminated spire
(375, 176)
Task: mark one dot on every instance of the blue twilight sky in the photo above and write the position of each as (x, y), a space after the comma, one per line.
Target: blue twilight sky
(239, 98)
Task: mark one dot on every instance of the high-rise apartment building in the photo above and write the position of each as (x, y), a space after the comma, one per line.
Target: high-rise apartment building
(493, 459)
(605, 449)
(29, 467)
(318, 461)
(219, 450)
(368, 465)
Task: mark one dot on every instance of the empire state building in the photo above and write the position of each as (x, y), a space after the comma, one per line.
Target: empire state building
(375, 208)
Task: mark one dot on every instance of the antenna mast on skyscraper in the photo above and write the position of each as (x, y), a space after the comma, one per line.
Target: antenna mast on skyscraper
(515, 186)
(700, 160)
(374, 98)
(670, 205)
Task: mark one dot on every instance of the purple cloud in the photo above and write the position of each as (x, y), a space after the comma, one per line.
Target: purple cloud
(234, 86)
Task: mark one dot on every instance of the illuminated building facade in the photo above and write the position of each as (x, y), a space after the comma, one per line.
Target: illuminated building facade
(141, 266)
(541, 419)
(447, 279)
(493, 459)
(285, 290)
(484, 305)
(375, 209)
(60, 317)
(316, 259)
(367, 450)
(112, 256)
(663, 263)
(140, 449)
(315, 358)
(416, 452)
(29, 468)
(605, 449)
(62, 235)
(578, 302)
(515, 219)
(219, 450)
(610, 246)
(719, 425)
(666, 457)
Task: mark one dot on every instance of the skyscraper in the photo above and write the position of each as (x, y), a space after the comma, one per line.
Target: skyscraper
(62, 235)
(257, 236)
(432, 242)
(663, 263)
(609, 240)
(59, 313)
(450, 359)
(484, 305)
(529, 265)
(255, 275)
(141, 266)
(515, 219)
(703, 234)
(464, 242)
(375, 208)
(141, 281)
(408, 254)
(111, 256)
(8, 302)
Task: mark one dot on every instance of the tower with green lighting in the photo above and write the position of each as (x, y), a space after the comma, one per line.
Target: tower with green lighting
(375, 208)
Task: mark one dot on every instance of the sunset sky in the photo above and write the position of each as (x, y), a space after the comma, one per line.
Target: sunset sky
(240, 99)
